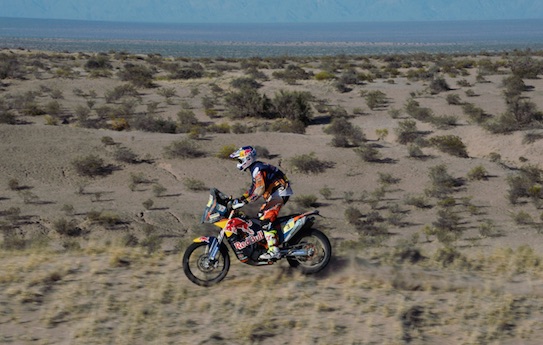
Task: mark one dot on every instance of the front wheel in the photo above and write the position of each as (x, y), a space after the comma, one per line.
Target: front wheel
(200, 269)
(318, 247)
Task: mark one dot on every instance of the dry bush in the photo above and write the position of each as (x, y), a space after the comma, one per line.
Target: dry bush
(185, 148)
(450, 144)
(407, 132)
(90, 165)
(306, 200)
(194, 184)
(125, 155)
(344, 132)
(478, 173)
(308, 164)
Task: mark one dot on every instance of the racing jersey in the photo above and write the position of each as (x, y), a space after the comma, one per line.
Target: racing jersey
(266, 179)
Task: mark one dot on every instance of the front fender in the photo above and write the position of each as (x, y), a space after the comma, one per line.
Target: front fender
(205, 239)
(212, 244)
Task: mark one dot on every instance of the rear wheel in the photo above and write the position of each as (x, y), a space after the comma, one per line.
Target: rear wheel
(200, 269)
(318, 247)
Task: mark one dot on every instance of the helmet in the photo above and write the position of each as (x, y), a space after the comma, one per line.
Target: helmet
(245, 155)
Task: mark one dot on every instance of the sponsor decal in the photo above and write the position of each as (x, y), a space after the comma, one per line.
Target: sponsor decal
(237, 224)
(240, 245)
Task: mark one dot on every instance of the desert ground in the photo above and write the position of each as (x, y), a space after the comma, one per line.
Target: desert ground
(426, 170)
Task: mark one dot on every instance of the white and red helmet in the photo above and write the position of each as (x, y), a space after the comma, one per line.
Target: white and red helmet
(245, 155)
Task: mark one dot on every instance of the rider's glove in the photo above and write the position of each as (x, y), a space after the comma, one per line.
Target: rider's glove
(237, 203)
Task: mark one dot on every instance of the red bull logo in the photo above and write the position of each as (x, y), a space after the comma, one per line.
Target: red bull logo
(249, 240)
(237, 224)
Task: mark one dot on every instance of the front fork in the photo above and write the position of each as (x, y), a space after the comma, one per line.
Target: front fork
(213, 245)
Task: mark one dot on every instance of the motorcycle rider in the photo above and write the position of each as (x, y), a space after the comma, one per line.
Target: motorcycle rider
(269, 182)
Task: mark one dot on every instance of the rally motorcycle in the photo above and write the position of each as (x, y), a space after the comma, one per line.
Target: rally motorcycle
(207, 261)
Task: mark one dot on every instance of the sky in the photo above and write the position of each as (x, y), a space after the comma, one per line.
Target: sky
(272, 11)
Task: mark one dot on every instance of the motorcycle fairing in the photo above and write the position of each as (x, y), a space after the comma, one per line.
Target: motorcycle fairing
(294, 224)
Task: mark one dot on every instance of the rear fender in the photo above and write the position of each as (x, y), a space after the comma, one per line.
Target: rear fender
(295, 224)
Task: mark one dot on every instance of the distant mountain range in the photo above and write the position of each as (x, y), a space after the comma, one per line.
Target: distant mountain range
(268, 11)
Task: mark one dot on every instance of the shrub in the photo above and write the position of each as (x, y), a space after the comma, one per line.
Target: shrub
(521, 184)
(407, 131)
(438, 85)
(413, 108)
(183, 149)
(453, 99)
(245, 82)
(308, 200)
(262, 151)
(194, 184)
(444, 122)
(148, 204)
(368, 153)
(225, 151)
(326, 192)
(478, 173)
(442, 183)
(13, 184)
(159, 190)
(475, 113)
(138, 75)
(345, 133)
(90, 165)
(293, 105)
(292, 73)
(247, 103)
(522, 218)
(308, 163)
(414, 151)
(126, 155)
(65, 227)
(324, 75)
(376, 99)
(107, 140)
(450, 144)
(352, 215)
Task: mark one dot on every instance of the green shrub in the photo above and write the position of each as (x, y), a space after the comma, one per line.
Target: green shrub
(376, 99)
(414, 151)
(308, 163)
(247, 102)
(183, 149)
(293, 105)
(225, 151)
(138, 75)
(450, 144)
(478, 173)
(324, 75)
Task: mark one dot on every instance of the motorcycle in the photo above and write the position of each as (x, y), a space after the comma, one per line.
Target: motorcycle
(206, 261)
